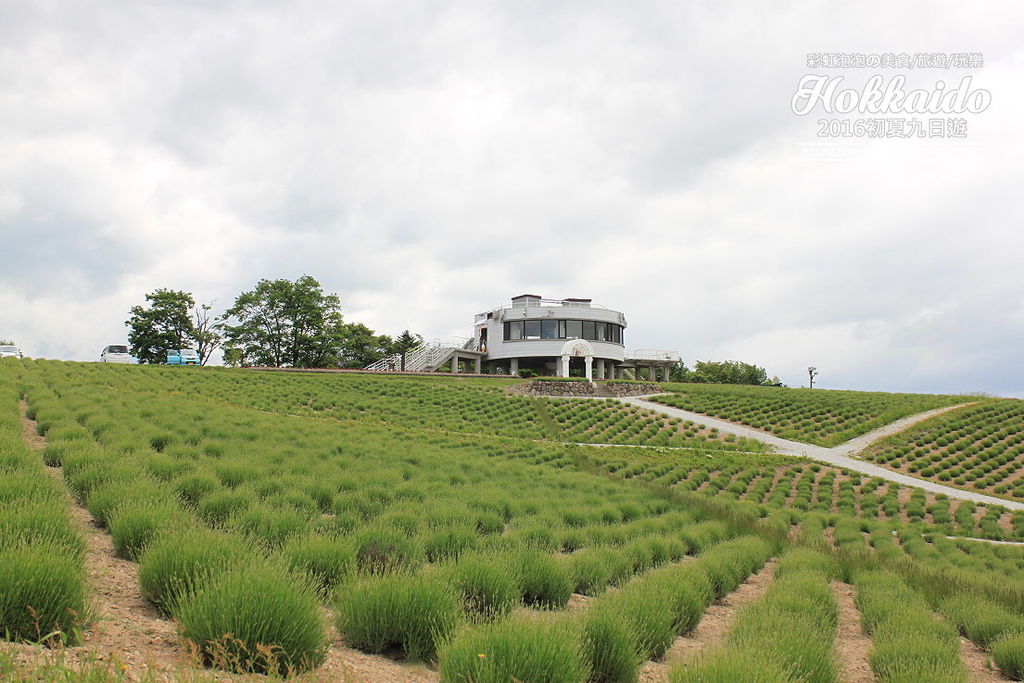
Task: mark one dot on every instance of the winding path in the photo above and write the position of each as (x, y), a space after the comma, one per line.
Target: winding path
(837, 455)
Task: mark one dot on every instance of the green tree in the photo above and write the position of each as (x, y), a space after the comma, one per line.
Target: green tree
(404, 343)
(680, 373)
(360, 346)
(283, 323)
(165, 322)
(206, 331)
(233, 358)
(729, 372)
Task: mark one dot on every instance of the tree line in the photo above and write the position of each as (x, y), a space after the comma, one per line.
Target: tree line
(723, 372)
(278, 323)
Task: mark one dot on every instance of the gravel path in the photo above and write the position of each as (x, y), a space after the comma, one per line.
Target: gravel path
(838, 455)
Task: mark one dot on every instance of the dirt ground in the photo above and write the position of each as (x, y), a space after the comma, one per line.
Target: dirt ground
(852, 645)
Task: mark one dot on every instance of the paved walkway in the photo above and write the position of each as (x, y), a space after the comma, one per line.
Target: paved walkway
(838, 455)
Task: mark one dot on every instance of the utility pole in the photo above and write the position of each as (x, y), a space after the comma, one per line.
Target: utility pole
(812, 372)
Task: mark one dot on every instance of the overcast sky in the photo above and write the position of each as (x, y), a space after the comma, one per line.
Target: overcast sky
(428, 160)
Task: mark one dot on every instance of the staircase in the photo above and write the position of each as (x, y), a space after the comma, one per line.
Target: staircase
(601, 389)
(427, 357)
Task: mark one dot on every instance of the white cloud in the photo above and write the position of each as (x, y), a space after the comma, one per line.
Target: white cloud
(426, 161)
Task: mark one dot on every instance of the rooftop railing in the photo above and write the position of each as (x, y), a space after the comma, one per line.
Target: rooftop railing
(653, 354)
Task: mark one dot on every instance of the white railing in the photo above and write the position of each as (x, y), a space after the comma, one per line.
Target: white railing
(652, 354)
(426, 357)
(544, 303)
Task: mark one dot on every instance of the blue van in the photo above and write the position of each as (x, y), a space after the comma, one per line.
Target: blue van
(182, 357)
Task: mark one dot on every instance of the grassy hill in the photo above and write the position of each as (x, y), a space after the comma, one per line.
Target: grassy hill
(979, 447)
(440, 520)
(820, 417)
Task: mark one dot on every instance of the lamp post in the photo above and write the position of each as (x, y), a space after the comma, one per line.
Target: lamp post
(812, 372)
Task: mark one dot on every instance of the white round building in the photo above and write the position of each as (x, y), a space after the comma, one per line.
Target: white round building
(549, 337)
(557, 337)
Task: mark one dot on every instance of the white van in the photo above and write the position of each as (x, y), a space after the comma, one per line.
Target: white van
(9, 349)
(116, 353)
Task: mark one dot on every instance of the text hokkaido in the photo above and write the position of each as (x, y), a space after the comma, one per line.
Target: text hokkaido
(881, 97)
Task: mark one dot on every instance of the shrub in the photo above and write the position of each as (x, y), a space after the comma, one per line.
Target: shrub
(23, 485)
(620, 569)
(255, 619)
(731, 666)
(39, 523)
(981, 621)
(488, 589)
(107, 498)
(802, 559)
(217, 508)
(133, 526)
(42, 593)
(909, 643)
(686, 591)
(798, 618)
(176, 564)
(699, 537)
(515, 650)
(649, 617)
(96, 473)
(590, 572)
(610, 647)
(270, 527)
(326, 561)
(448, 544)
(379, 551)
(194, 487)
(544, 581)
(53, 453)
(1008, 653)
(728, 565)
(414, 613)
(789, 633)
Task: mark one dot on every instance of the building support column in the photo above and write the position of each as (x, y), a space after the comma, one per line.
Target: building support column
(600, 368)
(667, 373)
(590, 368)
(476, 365)
(514, 367)
(563, 367)
(455, 363)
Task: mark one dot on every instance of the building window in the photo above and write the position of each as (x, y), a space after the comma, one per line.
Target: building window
(517, 330)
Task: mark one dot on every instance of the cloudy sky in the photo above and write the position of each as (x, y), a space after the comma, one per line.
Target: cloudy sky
(427, 160)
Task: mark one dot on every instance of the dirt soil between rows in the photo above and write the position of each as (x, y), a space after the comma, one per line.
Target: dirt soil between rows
(852, 645)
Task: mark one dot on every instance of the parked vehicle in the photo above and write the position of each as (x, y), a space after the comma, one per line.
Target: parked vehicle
(8, 348)
(115, 353)
(182, 357)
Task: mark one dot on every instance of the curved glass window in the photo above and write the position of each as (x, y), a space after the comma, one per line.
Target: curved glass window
(517, 330)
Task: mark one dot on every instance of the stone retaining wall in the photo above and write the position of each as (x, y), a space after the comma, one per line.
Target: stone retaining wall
(549, 387)
(630, 388)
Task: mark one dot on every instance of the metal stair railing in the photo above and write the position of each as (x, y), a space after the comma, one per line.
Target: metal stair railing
(426, 357)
